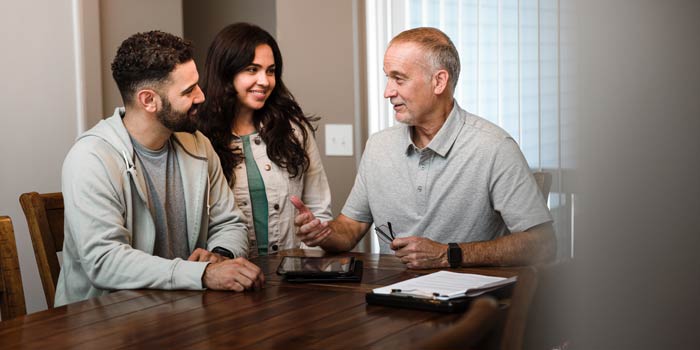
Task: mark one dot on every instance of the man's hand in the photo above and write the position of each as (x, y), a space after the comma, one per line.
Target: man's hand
(420, 253)
(236, 274)
(311, 230)
(200, 254)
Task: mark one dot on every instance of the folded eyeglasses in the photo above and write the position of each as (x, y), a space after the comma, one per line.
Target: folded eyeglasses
(385, 233)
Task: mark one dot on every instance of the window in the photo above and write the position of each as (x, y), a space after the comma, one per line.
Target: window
(510, 52)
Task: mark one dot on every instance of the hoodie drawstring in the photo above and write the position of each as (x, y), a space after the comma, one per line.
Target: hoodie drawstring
(130, 168)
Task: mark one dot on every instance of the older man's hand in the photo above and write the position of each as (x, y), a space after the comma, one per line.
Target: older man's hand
(420, 252)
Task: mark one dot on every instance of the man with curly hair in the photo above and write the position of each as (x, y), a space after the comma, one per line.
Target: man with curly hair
(146, 202)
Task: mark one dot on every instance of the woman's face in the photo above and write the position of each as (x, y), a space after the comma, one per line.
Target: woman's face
(255, 83)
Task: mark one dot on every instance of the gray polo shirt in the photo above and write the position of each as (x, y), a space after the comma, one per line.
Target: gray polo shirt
(471, 183)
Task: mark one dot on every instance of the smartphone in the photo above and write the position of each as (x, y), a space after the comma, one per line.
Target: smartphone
(298, 266)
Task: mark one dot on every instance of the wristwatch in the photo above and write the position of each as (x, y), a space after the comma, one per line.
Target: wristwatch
(223, 252)
(454, 255)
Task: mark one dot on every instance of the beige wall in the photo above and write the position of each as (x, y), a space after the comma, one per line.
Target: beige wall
(203, 19)
(40, 115)
(121, 18)
(56, 62)
(316, 39)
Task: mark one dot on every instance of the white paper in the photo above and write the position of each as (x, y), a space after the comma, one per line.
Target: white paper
(445, 285)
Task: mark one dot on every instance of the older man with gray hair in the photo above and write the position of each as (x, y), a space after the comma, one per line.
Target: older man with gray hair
(445, 187)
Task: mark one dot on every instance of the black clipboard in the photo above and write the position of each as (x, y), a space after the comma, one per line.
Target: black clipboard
(419, 303)
(308, 271)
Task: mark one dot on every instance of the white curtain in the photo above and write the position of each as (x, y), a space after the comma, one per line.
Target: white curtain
(510, 53)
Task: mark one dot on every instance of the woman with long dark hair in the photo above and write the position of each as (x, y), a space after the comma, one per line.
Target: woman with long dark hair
(264, 140)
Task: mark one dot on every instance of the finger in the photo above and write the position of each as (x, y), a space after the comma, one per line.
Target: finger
(299, 204)
(399, 243)
(303, 218)
(259, 281)
(400, 253)
(195, 255)
(236, 287)
(204, 256)
(243, 279)
(311, 236)
(249, 269)
(320, 237)
(314, 226)
(316, 230)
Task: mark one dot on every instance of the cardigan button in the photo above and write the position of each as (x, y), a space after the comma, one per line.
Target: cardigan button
(257, 140)
(274, 247)
(268, 167)
(276, 206)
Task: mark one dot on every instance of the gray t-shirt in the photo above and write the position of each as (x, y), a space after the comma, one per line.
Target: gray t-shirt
(166, 199)
(471, 183)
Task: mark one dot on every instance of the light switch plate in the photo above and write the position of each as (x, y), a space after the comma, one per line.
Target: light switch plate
(339, 139)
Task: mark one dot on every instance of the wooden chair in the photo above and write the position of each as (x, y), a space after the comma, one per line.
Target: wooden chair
(550, 315)
(544, 182)
(11, 292)
(44, 214)
(486, 327)
(471, 330)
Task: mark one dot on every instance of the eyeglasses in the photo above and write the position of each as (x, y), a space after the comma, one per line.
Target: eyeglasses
(382, 233)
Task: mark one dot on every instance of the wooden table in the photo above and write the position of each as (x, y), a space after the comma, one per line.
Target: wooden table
(281, 316)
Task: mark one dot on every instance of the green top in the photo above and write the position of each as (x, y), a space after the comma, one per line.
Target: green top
(258, 197)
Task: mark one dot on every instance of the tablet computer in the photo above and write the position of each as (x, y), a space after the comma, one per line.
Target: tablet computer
(327, 269)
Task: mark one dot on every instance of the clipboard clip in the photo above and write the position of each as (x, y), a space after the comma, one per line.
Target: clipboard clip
(416, 293)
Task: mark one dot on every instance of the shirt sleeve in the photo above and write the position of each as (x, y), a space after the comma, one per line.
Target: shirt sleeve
(514, 190)
(316, 193)
(357, 205)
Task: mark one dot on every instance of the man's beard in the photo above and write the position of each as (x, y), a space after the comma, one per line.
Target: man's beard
(177, 121)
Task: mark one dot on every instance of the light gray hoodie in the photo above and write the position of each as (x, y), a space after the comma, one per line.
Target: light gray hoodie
(109, 230)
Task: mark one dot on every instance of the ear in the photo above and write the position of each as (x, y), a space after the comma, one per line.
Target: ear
(440, 81)
(148, 100)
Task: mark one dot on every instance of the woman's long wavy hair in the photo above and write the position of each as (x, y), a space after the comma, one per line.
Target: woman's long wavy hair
(231, 52)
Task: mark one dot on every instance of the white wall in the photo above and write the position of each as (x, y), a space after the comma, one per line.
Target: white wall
(318, 53)
(203, 19)
(54, 74)
(40, 118)
(119, 19)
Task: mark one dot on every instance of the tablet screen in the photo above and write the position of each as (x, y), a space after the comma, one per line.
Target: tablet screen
(295, 264)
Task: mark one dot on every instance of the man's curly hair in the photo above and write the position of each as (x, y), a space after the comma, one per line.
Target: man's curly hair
(147, 58)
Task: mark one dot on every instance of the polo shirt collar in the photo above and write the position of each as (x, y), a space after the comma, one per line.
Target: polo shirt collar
(445, 137)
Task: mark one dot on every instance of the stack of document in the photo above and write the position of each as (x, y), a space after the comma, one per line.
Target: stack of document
(445, 285)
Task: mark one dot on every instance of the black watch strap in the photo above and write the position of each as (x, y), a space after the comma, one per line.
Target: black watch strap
(223, 252)
(454, 255)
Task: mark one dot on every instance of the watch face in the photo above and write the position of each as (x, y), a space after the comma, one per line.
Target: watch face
(454, 254)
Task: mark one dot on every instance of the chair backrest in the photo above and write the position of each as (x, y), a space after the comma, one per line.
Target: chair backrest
(471, 330)
(490, 326)
(11, 292)
(549, 318)
(44, 213)
(544, 182)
